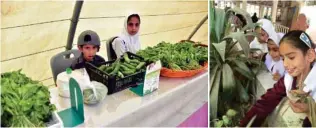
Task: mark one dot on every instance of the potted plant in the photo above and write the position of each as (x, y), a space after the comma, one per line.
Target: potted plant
(232, 82)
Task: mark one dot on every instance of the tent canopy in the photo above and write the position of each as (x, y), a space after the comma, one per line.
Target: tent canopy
(33, 32)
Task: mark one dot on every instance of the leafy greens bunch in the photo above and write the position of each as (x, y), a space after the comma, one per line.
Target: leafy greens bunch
(24, 102)
(180, 56)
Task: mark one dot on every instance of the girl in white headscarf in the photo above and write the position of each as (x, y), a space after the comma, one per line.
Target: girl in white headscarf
(265, 32)
(276, 66)
(128, 41)
(299, 57)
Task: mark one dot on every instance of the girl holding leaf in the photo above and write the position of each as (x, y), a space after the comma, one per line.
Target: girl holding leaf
(298, 84)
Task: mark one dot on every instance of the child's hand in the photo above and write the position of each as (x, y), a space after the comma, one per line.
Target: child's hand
(276, 76)
(299, 106)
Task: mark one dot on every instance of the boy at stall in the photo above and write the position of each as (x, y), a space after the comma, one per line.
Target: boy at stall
(89, 45)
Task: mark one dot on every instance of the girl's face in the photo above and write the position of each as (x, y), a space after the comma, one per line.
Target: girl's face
(274, 51)
(133, 25)
(262, 35)
(295, 62)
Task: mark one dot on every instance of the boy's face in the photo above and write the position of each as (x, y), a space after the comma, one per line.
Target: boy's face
(88, 51)
(133, 25)
(274, 50)
(262, 35)
(295, 62)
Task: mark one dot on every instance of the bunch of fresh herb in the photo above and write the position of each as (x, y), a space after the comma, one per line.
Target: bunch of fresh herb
(24, 102)
(178, 56)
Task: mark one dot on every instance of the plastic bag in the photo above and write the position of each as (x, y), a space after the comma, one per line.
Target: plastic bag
(94, 97)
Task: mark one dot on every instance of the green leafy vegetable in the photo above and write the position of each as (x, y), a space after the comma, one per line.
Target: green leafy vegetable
(179, 56)
(25, 102)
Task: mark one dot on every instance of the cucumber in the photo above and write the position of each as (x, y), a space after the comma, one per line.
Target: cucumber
(129, 65)
(140, 65)
(121, 70)
(120, 75)
(125, 56)
(116, 69)
(135, 61)
(129, 72)
(133, 64)
(109, 69)
(102, 67)
(124, 67)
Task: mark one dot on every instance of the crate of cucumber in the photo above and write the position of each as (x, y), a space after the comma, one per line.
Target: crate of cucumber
(117, 75)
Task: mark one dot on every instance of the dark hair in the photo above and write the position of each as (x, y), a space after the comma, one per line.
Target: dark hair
(257, 26)
(270, 40)
(98, 47)
(293, 37)
(242, 19)
(133, 15)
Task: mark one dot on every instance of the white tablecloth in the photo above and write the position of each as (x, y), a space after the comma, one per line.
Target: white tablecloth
(125, 108)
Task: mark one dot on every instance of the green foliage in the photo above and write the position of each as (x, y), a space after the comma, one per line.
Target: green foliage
(179, 56)
(24, 102)
(232, 82)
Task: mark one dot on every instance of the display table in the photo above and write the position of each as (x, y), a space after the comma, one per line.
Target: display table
(128, 109)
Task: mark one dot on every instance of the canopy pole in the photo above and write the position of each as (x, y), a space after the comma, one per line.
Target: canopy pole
(74, 20)
(198, 27)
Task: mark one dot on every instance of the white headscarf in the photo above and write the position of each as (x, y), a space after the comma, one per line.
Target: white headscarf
(276, 66)
(267, 26)
(131, 42)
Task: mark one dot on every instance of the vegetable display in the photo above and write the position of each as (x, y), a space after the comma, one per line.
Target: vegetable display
(123, 67)
(24, 102)
(179, 56)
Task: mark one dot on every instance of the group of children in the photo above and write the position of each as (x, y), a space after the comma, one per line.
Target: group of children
(291, 60)
(268, 41)
(89, 43)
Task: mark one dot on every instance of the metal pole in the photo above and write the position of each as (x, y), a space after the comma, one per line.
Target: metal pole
(73, 25)
(274, 10)
(198, 27)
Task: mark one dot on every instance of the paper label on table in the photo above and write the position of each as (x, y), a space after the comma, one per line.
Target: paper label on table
(151, 81)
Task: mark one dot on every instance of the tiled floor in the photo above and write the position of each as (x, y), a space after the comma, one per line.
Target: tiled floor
(198, 119)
